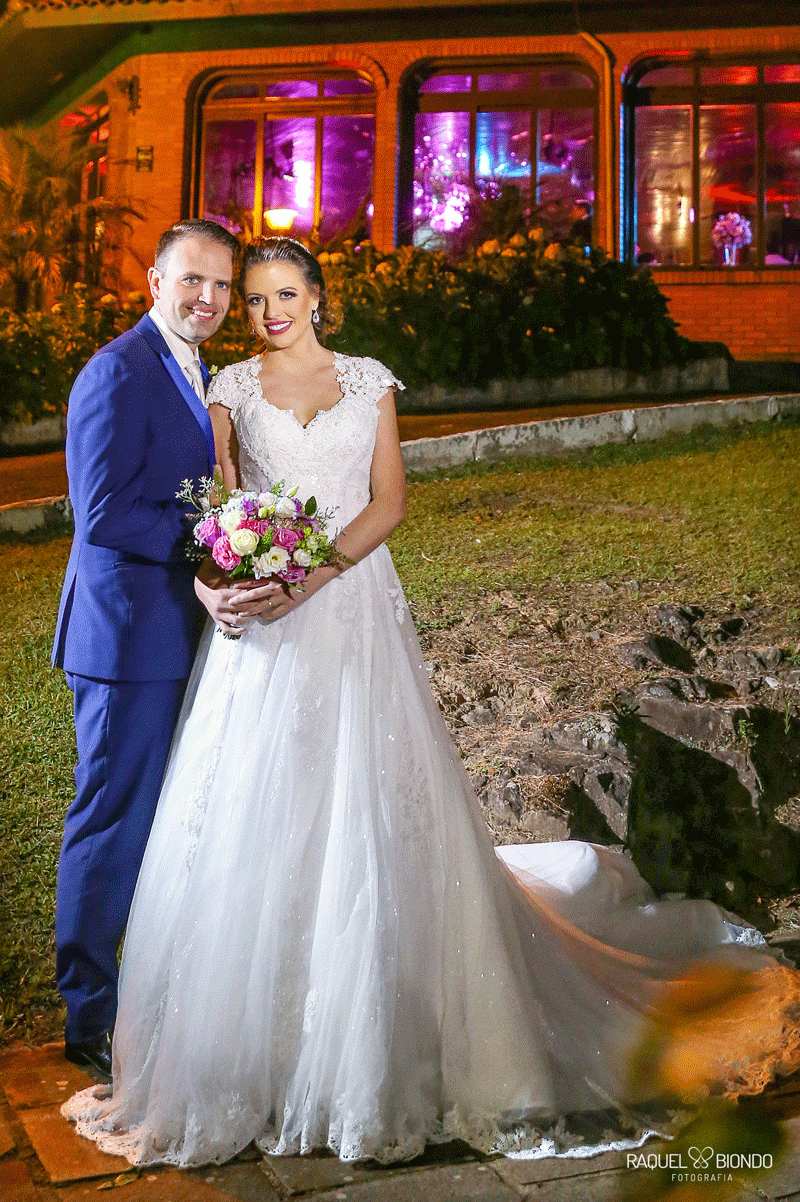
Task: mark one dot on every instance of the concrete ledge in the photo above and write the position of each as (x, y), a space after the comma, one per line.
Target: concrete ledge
(698, 375)
(543, 439)
(26, 517)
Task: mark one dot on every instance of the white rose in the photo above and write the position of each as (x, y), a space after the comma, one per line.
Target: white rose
(302, 558)
(274, 560)
(285, 507)
(229, 520)
(244, 542)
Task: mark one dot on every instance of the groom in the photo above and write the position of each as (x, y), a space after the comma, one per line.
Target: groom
(128, 623)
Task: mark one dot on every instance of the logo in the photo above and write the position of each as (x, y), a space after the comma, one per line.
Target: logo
(702, 1164)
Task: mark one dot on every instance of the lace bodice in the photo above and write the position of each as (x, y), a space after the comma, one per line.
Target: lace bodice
(330, 458)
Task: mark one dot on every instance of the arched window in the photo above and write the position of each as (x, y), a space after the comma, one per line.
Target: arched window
(713, 163)
(497, 134)
(290, 152)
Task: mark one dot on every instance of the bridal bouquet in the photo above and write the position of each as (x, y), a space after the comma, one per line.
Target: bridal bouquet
(255, 535)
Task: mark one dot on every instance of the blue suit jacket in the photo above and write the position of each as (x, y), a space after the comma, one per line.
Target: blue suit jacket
(135, 430)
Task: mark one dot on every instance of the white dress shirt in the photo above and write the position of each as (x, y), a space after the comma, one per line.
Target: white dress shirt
(186, 356)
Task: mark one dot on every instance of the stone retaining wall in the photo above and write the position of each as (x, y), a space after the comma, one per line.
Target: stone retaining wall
(597, 383)
(17, 436)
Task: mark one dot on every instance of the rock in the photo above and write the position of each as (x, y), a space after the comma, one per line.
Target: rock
(677, 620)
(544, 827)
(592, 733)
(656, 649)
(729, 628)
(607, 785)
(481, 715)
(692, 781)
(512, 797)
(690, 688)
(748, 663)
(770, 657)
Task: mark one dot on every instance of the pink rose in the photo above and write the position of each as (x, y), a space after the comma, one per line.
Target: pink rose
(223, 554)
(288, 539)
(207, 532)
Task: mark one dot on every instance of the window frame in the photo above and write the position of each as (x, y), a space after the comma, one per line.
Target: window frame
(413, 102)
(695, 95)
(262, 107)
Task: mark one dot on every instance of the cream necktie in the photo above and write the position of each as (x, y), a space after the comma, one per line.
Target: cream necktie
(196, 378)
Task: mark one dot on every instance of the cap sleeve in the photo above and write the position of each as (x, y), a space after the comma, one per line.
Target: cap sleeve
(228, 386)
(377, 377)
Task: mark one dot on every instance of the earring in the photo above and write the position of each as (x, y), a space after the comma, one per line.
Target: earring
(315, 317)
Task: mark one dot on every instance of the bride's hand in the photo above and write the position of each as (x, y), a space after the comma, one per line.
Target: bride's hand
(230, 606)
(283, 598)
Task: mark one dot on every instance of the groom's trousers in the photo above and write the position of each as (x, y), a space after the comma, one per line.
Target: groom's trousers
(123, 731)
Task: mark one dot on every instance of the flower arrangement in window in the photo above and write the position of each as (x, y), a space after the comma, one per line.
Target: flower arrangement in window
(731, 231)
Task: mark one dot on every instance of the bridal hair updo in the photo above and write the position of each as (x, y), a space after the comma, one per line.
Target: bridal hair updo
(289, 250)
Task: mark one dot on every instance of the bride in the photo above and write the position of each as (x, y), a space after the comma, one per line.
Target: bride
(324, 949)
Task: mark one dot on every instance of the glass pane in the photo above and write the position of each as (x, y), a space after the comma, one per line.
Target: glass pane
(441, 170)
(782, 197)
(348, 152)
(563, 77)
(503, 149)
(734, 75)
(447, 83)
(666, 77)
(664, 185)
(229, 173)
(727, 183)
(519, 81)
(289, 173)
(347, 87)
(782, 73)
(293, 89)
(232, 91)
(565, 170)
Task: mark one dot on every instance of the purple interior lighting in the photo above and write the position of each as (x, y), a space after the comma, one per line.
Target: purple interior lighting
(348, 152)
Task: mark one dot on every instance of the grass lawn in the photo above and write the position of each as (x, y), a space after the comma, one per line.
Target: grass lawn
(712, 515)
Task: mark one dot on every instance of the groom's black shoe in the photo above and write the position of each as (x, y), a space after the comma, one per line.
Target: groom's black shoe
(96, 1054)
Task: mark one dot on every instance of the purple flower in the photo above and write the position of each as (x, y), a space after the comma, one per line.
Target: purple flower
(223, 554)
(207, 532)
(284, 537)
(249, 507)
(293, 573)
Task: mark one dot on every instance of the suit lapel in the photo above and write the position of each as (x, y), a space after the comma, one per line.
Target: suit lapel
(152, 334)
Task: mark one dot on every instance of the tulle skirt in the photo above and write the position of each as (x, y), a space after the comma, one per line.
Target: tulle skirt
(324, 949)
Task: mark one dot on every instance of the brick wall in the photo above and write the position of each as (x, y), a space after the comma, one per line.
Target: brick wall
(754, 313)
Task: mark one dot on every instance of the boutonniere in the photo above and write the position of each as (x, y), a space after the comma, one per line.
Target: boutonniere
(212, 371)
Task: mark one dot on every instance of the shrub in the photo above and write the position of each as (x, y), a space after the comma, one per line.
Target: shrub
(525, 308)
(42, 353)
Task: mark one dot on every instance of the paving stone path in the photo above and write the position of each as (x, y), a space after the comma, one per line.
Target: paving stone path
(43, 1160)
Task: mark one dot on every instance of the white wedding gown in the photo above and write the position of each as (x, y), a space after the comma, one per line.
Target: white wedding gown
(324, 949)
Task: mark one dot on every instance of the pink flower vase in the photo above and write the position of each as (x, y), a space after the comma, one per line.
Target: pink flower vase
(731, 254)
